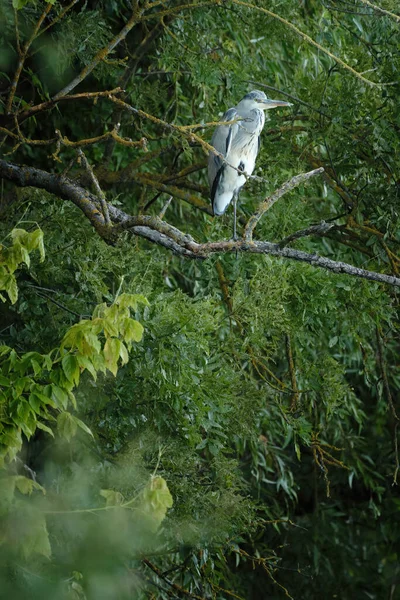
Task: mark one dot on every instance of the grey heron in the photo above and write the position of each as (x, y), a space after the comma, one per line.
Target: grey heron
(239, 144)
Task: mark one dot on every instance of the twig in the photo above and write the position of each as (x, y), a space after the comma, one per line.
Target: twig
(59, 17)
(173, 585)
(22, 56)
(100, 193)
(17, 31)
(57, 303)
(266, 205)
(319, 229)
(101, 55)
(164, 208)
(29, 112)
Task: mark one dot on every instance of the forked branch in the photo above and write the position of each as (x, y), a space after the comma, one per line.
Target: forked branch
(162, 233)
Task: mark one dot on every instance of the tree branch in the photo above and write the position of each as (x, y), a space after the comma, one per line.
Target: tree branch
(381, 10)
(33, 110)
(319, 229)
(101, 54)
(164, 234)
(266, 205)
(23, 54)
(100, 193)
(308, 39)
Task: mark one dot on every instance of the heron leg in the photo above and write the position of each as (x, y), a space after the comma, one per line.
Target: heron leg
(235, 198)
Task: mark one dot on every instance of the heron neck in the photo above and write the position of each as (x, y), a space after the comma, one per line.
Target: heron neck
(253, 120)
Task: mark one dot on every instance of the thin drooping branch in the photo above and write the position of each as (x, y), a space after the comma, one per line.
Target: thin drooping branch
(164, 234)
(381, 10)
(307, 38)
(270, 201)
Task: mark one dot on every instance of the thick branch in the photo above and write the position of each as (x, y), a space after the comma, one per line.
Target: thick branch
(163, 234)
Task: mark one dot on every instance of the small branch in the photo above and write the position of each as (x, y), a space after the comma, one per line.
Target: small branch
(319, 229)
(381, 10)
(142, 143)
(173, 585)
(178, 9)
(17, 37)
(59, 17)
(57, 303)
(101, 55)
(22, 56)
(64, 141)
(99, 191)
(165, 208)
(266, 205)
(33, 110)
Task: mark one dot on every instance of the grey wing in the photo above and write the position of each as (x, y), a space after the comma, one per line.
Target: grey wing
(222, 142)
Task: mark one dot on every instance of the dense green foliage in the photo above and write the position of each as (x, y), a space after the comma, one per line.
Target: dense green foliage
(201, 429)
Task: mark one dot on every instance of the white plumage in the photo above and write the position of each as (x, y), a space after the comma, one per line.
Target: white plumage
(239, 144)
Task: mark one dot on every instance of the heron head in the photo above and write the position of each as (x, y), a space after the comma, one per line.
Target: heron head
(258, 99)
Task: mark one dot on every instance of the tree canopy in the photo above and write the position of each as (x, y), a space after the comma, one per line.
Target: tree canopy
(182, 415)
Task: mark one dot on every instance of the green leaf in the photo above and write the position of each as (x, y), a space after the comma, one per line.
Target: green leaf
(85, 363)
(21, 384)
(112, 497)
(35, 403)
(123, 352)
(82, 425)
(66, 425)
(34, 241)
(131, 301)
(44, 427)
(111, 351)
(333, 341)
(10, 286)
(71, 368)
(34, 538)
(7, 487)
(4, 381)
(18, 4)
(132, 330)
(156, 499)
(26, 485)
(59, 396)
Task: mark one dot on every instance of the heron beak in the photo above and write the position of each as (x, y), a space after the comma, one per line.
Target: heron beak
(274, 104)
